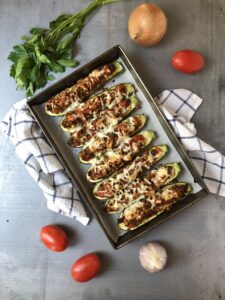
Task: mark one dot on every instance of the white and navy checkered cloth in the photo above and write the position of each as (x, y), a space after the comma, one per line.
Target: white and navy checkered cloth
(179, 106)
(40, 160)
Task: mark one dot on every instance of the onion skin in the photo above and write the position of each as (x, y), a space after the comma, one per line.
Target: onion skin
(147, 24)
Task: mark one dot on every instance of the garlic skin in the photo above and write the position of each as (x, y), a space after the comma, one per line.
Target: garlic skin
(153, 257)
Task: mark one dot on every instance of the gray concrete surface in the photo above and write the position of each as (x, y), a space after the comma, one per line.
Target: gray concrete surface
(194, 238)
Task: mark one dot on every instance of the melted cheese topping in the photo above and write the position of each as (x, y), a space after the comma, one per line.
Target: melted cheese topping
(140, 187)
(72, 96)
(111, 160)
(105, 122)
(91, 108)
(145, 209)
(129, 173)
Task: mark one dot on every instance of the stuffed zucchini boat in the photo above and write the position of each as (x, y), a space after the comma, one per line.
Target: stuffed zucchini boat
(145, 187)
(122, 178)
(69, 98)
(105, 121)
(114, 159)
(143, 210)
(91, 108)
(101, 142)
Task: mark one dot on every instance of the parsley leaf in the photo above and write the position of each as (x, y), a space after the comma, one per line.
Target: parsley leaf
(47, 51)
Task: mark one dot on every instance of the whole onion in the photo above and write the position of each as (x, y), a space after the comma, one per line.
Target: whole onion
(153, 257)
(147, 24)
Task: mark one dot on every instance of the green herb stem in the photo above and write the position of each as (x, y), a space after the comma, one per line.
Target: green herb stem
(79, 19)
(49, 50)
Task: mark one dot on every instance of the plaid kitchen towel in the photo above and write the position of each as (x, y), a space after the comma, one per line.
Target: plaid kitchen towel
(178, 105)
(42, 163)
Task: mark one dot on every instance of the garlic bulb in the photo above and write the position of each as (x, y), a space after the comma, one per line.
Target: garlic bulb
(153, 257)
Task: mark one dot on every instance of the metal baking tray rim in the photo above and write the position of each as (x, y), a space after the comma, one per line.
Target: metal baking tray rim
(115, 52)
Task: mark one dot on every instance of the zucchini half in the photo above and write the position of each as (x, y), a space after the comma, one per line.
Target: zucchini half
(93, 106)
(106, 119)
(142, 211)
(101, 142)
(78, 92)
(145, 187)
(114, 159)
(122, 178)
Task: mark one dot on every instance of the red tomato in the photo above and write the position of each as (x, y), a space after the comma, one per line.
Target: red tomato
(137, 138)
(54, 238)
(86, 267)
(188, 61)
(123, 103)
(101, 193)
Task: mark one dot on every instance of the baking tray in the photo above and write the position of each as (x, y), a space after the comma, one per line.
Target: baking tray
(76, 170)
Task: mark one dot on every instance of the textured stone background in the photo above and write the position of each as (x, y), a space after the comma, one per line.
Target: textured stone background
(194, 238)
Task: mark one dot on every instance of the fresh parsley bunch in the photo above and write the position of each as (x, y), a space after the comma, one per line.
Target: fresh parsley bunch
(48, 51)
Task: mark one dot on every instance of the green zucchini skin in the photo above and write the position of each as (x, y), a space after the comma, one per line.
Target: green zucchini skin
(79, 137)
(142, 187)
(120, 137)
(112, 185)
(101, 105)
(122, 158)
(176, 171)
(144, 210)
(66, 92)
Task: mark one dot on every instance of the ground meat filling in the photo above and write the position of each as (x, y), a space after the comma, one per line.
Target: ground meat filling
(80, 91)
(107, 165)
(76, 138)
(92, 107)
(105, 119)
(110, 140)
(100, 145)
(79, 117)
(120, 180)
(103, 190)
(149, 208)
(138, 188)
(86, 155)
